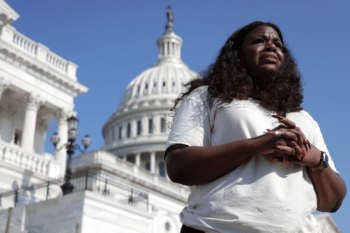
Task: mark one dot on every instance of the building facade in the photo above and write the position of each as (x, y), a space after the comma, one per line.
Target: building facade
(123, 187)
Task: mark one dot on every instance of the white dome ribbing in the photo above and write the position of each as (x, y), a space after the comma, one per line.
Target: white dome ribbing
(149, 98)
(167, 76)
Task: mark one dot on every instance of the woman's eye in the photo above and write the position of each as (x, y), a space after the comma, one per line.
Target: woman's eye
(260, 40)
(278, 45)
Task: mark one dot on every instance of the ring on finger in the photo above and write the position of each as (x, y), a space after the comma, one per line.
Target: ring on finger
(277, 133)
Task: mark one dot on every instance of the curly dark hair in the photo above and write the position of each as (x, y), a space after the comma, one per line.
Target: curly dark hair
(228, 79)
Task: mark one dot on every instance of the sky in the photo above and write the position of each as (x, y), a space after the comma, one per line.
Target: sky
(113, 41)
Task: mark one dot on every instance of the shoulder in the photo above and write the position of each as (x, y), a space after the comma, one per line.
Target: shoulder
(301, 116)
(199, 94)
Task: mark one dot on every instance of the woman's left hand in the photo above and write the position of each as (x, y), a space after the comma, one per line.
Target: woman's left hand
(300, 152)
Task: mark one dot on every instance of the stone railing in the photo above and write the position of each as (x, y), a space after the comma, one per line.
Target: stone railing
(126, 170)
(38, 51)
(40, 164)
(56, 61)
(24, 43)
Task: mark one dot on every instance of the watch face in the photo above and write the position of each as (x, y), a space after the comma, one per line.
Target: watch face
(325, 160)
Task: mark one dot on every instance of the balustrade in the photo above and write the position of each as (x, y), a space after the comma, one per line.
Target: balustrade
(24, 43)
(16, 156)
(56, 61)
(37, 50)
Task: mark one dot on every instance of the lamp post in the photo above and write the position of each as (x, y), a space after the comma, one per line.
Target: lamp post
(67, 187)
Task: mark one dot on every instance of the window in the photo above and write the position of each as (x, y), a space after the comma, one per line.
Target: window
(138, 88)
(139, 127)
(148, 166)
(162, 125)
(162, 169)
(155, 85)
(146, 86)
(129, 130)
(150, 126)
(130, 158)
(18, 137)
(173, 83)
(120, 132)
(163, 84)
(167, 227)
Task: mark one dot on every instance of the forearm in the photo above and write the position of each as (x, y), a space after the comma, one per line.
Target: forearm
(330, 189)
(197, 165)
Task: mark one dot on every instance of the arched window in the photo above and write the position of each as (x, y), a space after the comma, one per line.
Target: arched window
(150, 125)
(129, 130)
(18, 137)
(120, 132)
(139, 127)
(162, 125)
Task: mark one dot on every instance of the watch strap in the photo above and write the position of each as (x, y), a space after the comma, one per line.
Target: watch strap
(323, 163)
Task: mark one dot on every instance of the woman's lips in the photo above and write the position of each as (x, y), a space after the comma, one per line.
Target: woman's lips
(270, 58)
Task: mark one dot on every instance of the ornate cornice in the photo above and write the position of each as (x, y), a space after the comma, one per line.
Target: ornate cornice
(41, 71)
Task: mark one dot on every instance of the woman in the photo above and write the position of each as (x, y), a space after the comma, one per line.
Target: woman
(255, 161)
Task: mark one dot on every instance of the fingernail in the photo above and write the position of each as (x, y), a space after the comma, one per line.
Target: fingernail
(287, 164)
(273, 160)
(278, 147)
(278, 116)
(303, 152)
(268, 130)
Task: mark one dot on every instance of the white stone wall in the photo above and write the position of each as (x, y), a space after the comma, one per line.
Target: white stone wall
(95, 214)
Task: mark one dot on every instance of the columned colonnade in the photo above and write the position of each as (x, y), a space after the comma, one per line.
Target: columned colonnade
(33, 102)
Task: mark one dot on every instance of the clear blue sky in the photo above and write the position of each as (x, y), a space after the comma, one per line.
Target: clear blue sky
(114, 41)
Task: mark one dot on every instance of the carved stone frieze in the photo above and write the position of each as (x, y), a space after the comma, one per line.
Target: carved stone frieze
(59, 81)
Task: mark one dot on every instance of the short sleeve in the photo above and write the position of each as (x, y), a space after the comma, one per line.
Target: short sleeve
(319, 143)
(191, 125)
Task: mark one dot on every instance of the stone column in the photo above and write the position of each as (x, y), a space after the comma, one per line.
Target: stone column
(61, 151)
(4, 84)
(138, 159)
(33, 104)
(153, 162)
(156, 124)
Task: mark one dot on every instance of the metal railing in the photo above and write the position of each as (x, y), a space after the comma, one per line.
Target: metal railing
(97, 182)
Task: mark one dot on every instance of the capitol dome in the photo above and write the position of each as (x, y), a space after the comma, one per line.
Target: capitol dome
(138, 130)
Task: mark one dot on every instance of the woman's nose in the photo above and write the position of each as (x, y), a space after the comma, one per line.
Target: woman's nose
(271, 47)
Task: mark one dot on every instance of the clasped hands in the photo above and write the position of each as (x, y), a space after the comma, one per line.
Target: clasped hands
(291, 142)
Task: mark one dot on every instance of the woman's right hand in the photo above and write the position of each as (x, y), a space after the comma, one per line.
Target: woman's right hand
(287, 136)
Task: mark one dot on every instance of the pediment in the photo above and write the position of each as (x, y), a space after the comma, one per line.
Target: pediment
(7, 14)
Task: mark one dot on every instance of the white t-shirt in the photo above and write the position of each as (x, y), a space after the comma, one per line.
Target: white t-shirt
(258, 196)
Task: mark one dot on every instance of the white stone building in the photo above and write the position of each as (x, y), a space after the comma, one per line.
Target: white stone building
(123, 187)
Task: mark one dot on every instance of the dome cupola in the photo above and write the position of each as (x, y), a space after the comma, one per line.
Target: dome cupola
(169, 44)
(142, 118)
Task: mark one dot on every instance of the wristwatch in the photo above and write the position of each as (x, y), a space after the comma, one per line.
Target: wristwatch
(323, 163)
